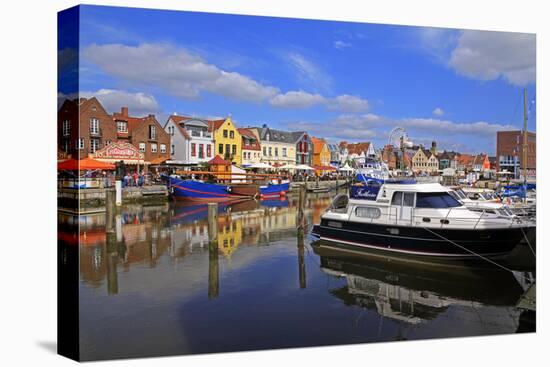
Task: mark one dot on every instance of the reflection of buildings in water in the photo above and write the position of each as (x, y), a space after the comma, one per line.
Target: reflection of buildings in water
(144, 234)
(139, 238)
(416, 294)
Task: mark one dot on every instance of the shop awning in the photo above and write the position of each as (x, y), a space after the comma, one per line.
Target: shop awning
(324, 168)
(84, 164)
(159, 160)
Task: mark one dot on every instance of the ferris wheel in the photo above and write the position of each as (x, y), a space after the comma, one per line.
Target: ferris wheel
(397, 135)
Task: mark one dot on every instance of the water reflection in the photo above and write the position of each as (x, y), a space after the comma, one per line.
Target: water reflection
(417, 292)
(162, 282)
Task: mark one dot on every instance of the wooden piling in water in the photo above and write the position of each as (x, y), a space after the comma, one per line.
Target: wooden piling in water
(301, 259)
(213, 221)
(110, 210)
(213, 261)
(112, 261)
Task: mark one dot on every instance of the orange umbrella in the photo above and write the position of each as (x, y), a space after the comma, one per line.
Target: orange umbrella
(84, 164)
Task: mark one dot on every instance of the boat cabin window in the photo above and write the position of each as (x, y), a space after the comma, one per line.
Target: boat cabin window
(435, 200)
(367, 212)
(403, 198)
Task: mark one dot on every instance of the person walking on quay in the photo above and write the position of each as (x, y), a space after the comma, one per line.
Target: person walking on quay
(135, 178)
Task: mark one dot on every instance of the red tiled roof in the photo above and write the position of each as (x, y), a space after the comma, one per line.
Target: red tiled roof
(465, 159)
(358, 148)
(219, 160)
(249, 134)
(214, 124)
(177, 119)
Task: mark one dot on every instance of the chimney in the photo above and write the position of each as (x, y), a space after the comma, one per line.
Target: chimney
(124, 111)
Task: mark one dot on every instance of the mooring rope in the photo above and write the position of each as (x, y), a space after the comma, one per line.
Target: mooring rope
(528, 243)
(474, 253)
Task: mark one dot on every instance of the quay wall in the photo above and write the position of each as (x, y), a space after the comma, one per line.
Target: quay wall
(92, 200)
(312, 185)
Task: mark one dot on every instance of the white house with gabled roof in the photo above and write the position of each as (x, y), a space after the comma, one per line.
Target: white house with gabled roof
(191, 141)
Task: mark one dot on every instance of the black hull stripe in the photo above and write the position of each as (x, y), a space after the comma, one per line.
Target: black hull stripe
(438, 254)
(398, 236)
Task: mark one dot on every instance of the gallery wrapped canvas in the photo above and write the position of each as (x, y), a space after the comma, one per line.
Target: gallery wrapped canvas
(234, 183)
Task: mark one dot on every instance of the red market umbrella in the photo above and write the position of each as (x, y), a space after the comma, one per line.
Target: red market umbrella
(84, 164)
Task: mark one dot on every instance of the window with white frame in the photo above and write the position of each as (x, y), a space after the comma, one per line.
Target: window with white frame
(122, 126)
(152, 132)
(163, 148)
(94, 126)
(80, 143)
(66, 128)
(284, 152)
(94, 145)
(142, 147)
(153, 147)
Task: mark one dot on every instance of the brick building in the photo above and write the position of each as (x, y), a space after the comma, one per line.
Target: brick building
(84, 127)
(145, 133)
(67, 129)
(509, 152)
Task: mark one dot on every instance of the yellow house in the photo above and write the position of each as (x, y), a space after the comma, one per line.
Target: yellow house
(321, 152)
(227, 140)
(229, 235)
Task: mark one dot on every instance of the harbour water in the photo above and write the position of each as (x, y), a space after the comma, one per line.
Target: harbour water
(159, 287)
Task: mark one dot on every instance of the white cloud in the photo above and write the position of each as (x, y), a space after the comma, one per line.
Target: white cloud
(437, 42)
(301, 99)
(340, 45)
(309, 73)
(446, 127)
(438, 111)
(347, 103)
(67, 58)
(174, 70)
(490, 55)
(353, 127)
(297, 99)
(138, 104)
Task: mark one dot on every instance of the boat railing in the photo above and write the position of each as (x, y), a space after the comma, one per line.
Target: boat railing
(462, 220)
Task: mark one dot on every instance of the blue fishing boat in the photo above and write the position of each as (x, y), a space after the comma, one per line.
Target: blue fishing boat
(194, 190)
(274, 190)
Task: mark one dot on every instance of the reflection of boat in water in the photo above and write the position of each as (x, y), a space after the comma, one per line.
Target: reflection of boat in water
(414, 292)
(418, 220)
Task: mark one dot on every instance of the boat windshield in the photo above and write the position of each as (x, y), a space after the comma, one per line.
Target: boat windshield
(460, 194)
(488, 195)
(436, 200)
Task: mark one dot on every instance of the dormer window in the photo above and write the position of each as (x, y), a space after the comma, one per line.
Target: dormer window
(122, 126)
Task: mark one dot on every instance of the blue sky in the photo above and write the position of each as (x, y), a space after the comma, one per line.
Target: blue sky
(337, 80)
